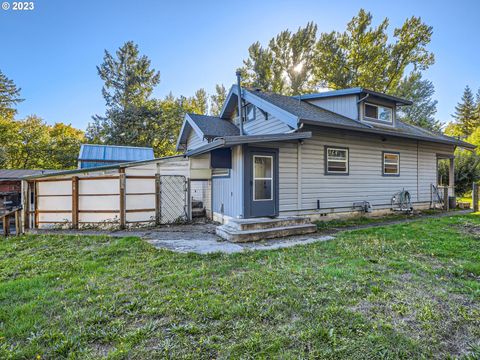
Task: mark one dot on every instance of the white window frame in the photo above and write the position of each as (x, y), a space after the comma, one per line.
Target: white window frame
(347, 157)
(262, 178)
(377, 118)
(397, 163)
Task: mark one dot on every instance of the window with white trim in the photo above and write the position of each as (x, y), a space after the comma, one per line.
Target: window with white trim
(336, 160)
(391, 163)
(378, 112)
(262, 178)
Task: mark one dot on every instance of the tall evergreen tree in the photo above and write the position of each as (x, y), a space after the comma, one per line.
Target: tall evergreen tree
(9, 97)
(128, 84)
(466, 115)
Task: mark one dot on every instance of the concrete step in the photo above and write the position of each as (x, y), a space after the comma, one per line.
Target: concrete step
(235, 235)
(267, 223)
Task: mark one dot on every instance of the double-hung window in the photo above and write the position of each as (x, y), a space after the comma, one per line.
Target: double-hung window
(336, 160)
(391, 163)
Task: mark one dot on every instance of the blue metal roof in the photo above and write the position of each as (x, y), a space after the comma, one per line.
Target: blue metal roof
(100, 155)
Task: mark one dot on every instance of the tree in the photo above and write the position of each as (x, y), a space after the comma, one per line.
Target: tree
(467, 170)
(9, 97)
(217, 100)
(128, 84)
(466, 115)
(64, 147)
(33, 144)
(363, 57)
(286, 65)
(422, 112)
(198, 103)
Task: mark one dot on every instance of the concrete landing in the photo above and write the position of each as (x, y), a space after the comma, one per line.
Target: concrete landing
(248, 230)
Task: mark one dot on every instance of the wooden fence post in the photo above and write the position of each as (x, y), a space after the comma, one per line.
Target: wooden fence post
(36, 214)
(158, 200)
(25, 204)
(18, 223)
(75, 202)
(6, 225)
(475, 197)
(446, 203)
(123, 199)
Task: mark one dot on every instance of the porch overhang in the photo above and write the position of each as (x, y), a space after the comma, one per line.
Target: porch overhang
(229, 141)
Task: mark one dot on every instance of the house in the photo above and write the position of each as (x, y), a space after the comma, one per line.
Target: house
(93, 155)
(316, 155)
(290, 160)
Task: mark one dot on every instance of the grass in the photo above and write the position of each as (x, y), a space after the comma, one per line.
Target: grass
(364, 220)
(401, 291)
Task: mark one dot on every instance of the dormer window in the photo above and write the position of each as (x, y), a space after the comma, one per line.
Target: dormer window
(378, 113)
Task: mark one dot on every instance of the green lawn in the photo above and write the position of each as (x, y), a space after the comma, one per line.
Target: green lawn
(370, 220)
(403, 291)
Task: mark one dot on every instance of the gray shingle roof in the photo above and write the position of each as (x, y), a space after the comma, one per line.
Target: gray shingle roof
(18, 174)
(212, 126)
(306, 111)
(314, 114)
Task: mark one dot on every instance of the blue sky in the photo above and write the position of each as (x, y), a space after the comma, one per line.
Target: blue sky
(51, 52)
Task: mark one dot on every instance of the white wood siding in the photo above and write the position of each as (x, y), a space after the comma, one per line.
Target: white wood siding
(260, 125)
(344, 105)
(229, 190)
(194, 141)
(301, 187)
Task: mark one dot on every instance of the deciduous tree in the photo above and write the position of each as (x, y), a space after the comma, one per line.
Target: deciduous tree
(361, 56)
(422, 111)
(217, 100)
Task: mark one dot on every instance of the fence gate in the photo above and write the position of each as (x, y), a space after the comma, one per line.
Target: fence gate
(173, 199)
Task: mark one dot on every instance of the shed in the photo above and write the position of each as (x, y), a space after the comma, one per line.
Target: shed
(93, 155)
(11, 185)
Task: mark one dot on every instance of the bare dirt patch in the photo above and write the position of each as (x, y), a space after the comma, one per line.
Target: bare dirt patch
(470, 229)
(427, 312)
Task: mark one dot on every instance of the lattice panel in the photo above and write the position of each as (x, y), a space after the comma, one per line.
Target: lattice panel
(173, 204)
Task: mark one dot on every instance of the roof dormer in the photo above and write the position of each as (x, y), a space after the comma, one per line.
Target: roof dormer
(376, 111)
